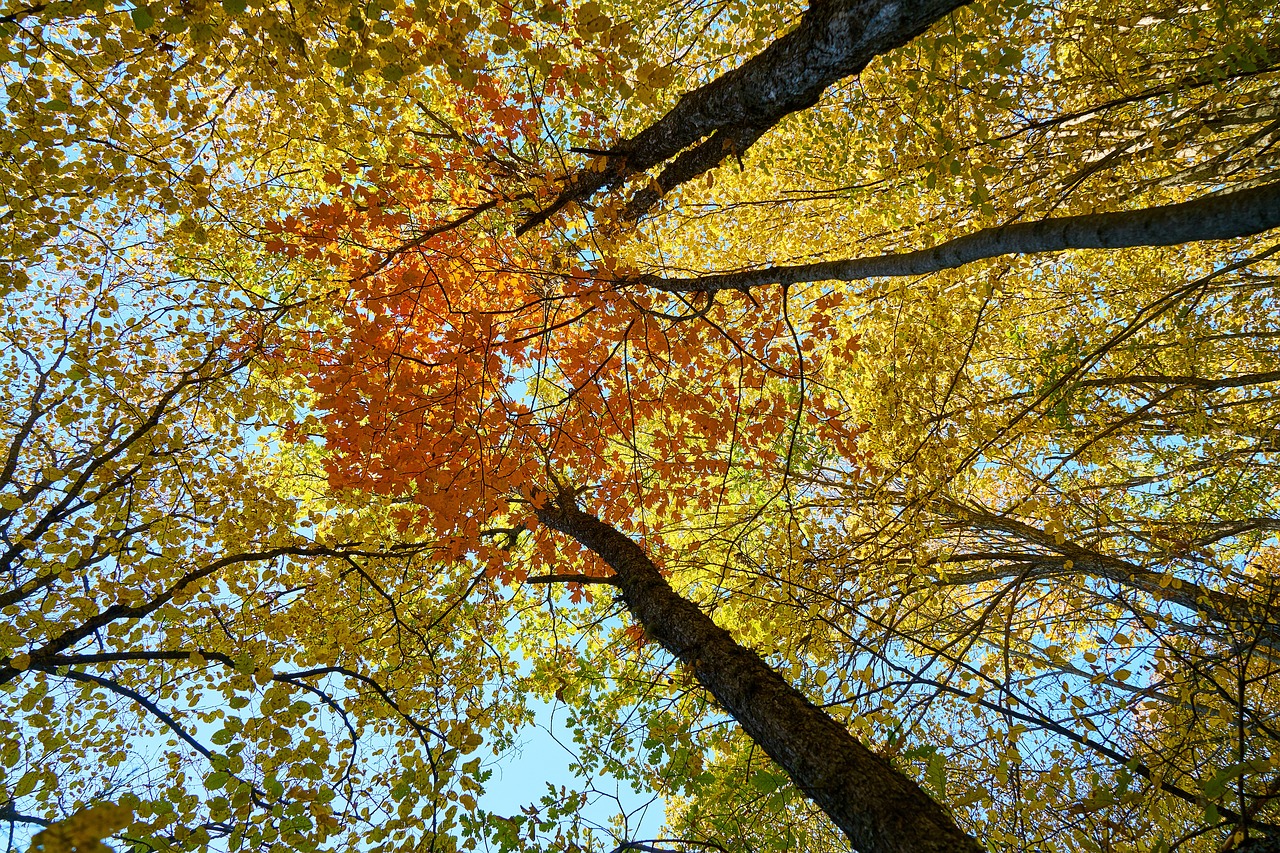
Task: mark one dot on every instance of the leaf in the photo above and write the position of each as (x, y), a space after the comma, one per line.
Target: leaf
(142, 18)
(767, 782)
(936, 775)
(1217, 784)
(84, 830)
(26, 784)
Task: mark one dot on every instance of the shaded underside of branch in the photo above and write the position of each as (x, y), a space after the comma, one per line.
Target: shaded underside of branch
(1218, 217)
(1221, 607)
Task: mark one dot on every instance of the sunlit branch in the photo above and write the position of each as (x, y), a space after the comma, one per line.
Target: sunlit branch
(1218, 217)
(833, 40)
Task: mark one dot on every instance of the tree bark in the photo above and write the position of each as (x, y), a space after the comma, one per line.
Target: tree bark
(835, 39)
(1231, 611)
(879, 808)
(1217, 217)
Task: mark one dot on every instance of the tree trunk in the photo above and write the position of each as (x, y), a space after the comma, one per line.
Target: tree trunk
(880, 809)
(835, 39)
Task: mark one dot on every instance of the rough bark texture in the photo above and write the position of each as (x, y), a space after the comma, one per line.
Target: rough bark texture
(696, 161)
(1218, 217)
(835, 39)
(877, 807)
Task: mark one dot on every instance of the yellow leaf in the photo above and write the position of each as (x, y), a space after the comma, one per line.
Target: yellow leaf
(83, 831)
(26, 784)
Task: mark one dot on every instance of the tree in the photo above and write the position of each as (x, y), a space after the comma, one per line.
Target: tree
(163, 558)
(1020, 489)
(166, 580)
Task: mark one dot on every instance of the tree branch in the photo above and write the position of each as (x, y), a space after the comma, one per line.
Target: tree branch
(570, 578)
(835, 39)
(1217, 217)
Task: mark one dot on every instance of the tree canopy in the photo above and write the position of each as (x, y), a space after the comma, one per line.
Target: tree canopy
(859, 417)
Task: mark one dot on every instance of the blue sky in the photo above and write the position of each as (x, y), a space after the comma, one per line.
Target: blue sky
(543, 755)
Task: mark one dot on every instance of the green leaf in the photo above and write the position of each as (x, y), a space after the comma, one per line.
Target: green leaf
(1217, 785)
(201, 32)
(142, 18)
(26, 784)
(936, 775)
(767, 783)
(235, 7)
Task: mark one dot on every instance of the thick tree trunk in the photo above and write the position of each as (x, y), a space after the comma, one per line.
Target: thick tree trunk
(835, 39)
(877, 807)
(1216, 217)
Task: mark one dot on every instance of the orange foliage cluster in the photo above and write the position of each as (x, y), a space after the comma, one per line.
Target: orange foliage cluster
(464, 369)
